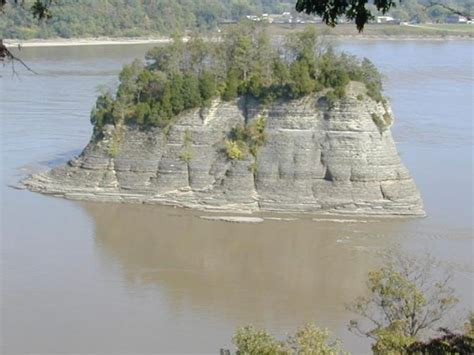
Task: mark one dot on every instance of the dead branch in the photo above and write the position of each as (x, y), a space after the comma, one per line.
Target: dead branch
(6, 55)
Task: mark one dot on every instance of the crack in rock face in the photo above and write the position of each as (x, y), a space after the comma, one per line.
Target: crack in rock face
(315, 158)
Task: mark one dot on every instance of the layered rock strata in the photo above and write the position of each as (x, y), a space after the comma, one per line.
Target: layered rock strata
(336, 157)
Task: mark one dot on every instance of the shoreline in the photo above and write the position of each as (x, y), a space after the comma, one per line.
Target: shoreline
(105, 41)
(75, 42)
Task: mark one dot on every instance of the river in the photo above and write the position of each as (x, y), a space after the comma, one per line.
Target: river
(88, 278)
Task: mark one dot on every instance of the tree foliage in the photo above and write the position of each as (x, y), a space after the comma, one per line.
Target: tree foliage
(309, 340)
(90, 18)
(86, 18)
(182, 76)
(362, 11)
(40, 9)
(332, 10)
(449, 343)
(405, 299)
(248, 138)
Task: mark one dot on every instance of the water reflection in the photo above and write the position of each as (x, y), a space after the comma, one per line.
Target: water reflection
(300, 270)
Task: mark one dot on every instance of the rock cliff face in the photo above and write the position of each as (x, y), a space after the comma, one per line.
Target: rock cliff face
(317, 157)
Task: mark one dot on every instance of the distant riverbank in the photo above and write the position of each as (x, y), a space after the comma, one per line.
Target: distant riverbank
(342, 31)
(67, 42)
(62, 42)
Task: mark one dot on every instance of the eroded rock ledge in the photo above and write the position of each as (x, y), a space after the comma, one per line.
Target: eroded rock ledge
(317, 157)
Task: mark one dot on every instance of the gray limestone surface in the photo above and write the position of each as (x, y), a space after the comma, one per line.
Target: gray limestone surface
(317, 157)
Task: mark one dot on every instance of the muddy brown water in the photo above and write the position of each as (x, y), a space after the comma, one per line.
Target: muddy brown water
(91, 278)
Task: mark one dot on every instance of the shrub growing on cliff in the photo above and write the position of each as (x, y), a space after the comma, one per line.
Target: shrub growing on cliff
(246, 138)
(382, 122)
(182, 76)
(235, 150)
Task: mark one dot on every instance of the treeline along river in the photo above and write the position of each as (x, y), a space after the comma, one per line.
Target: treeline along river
(103, 278)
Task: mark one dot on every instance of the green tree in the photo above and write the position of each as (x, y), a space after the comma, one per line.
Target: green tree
(153, 94)
(176, 88)
(142, 113)
(239, 51)
(166, 103)
(102, 112)
(406, 297)
(128, 89)
(197, 53)
(312, 340)
(190, 91)
(151, 85)
(255, 86)
(250, 340)
(207, 86)
(281, 78)
(333, 72)
(302, 83)
(168, 58)
(231, 90)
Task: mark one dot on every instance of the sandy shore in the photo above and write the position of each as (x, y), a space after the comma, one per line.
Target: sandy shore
(63, 42)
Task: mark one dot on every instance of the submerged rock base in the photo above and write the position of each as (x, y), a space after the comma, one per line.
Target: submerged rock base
(317, 157)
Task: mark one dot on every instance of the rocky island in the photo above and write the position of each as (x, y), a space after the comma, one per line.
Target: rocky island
(243, 125)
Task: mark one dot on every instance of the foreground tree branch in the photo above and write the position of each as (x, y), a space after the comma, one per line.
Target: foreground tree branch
(333, 10)
(7, 56)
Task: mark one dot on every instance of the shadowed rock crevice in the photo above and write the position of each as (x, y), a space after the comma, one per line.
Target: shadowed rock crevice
(315, 158)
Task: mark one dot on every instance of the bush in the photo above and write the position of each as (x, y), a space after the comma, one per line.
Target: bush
(307, 340)
(113, 148)
(374, 92)
(250, 341)
(186, 156)
(383, 122)
(235, 150)
(249, 137)
(450, 343)
(310, 339)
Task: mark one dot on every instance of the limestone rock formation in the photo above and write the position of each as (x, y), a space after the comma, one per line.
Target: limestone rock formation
(318, 156)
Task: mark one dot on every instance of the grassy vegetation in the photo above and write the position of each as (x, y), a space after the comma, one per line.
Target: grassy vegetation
(382, 122)
(458, 28)
(186, 154)
(113, 148)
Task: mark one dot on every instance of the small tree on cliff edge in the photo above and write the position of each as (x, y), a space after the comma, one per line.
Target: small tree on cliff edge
(405, 299)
